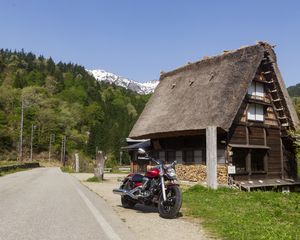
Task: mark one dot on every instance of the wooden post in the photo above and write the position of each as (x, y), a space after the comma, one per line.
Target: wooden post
(265, 136)
(211, 157)
(281, 159)
(121, 153)
(21, 132)
(248, 162)
(266, 158)
(247, 135)
(100, 161)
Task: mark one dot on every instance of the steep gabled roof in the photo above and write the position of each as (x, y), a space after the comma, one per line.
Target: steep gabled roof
(205, 93)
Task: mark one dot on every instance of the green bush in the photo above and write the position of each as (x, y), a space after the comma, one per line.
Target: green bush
(67, 169)
(93, 179)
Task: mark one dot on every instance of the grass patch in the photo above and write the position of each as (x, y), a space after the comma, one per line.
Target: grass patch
(67, 169)
(9, 163)
(232, 214)
(93, 179)
(3, 173)
(116, 171)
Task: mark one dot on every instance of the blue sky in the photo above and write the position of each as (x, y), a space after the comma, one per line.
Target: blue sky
(137, 39)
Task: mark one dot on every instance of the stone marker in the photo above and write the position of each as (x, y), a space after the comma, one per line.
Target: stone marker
(77, 162)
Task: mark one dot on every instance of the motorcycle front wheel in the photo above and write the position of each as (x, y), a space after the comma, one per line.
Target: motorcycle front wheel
(170, 208)
(127, 202)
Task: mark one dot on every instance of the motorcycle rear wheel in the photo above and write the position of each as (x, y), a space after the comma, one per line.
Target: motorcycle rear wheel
(171, 207)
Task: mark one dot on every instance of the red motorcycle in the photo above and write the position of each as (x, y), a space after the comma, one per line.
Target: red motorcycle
(158, 188)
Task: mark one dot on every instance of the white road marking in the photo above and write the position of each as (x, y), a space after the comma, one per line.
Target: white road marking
(111, 234)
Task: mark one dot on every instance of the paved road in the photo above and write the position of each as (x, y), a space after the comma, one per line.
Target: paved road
(45, 203)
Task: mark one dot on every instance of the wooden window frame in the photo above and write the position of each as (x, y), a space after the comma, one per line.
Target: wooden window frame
(248, 164)
(254, 94)
(255, 114)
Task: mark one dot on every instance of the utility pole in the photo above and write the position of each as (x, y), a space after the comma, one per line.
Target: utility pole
(62, 149)
(21, 132)
(31, 140)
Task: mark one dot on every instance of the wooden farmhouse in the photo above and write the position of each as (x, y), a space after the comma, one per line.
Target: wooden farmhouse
(230, 112)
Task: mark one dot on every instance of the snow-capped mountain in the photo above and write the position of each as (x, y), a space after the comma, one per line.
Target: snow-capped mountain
(141, 88)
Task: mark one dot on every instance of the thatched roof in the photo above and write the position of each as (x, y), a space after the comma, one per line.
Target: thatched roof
(205, 93)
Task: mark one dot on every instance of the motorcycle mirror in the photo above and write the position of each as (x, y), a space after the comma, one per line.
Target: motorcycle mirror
(141, 151)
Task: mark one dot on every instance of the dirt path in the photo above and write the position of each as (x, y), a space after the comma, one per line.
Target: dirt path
(143, 221)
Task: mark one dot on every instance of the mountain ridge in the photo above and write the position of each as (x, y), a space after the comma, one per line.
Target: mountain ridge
(111, 78)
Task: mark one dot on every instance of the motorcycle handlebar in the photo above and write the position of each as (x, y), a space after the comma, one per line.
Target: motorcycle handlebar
(159, 162)
(150, 159)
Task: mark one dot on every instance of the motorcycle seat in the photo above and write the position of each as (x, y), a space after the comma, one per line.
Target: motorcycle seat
(137, 177)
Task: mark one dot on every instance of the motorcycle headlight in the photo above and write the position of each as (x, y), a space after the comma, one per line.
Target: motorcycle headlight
(171, 172)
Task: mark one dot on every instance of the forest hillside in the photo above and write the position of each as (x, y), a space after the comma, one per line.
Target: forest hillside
(294, 92)
(60, 100)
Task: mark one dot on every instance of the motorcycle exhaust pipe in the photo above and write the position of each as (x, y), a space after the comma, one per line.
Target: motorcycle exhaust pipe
(124, 192)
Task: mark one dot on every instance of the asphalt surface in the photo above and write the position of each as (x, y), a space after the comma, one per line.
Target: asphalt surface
(45, 203)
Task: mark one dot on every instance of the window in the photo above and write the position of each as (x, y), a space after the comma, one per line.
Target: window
(188, 156)
(161, 155)
(221, 156)
(170, 156)
(257, 160)
(255, 112)
(198, 156)
(239, 160)
(179, 156)
(155, 154)
(256, 89)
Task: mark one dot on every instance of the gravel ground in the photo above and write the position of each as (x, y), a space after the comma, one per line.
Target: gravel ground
(142, 220)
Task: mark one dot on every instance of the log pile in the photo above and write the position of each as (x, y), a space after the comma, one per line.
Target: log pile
(197, 173)
(222, 174)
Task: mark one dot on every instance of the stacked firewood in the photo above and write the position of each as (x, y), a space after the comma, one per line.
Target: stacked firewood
(222, 174)
(197, 173)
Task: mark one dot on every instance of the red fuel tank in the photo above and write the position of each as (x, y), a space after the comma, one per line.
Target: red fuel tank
(152, 173)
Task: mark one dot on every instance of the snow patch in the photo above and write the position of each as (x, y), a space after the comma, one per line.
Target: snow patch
(141, 88)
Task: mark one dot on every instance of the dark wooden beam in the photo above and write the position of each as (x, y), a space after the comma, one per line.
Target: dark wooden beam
(247, 135)
(266, 159)
(265, 136)
(281, 159)
(248, 162)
